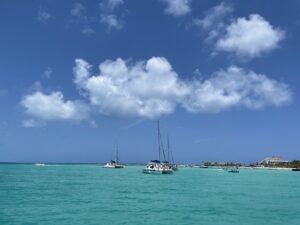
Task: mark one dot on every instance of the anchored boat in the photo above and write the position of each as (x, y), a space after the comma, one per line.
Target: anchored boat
(114, 163)
(233, 170)
(156, 166)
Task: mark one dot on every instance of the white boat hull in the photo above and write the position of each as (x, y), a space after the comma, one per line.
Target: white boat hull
(157, 172)
(40, 164)
(113, 166)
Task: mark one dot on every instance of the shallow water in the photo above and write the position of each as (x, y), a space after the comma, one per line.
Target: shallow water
(90, 194)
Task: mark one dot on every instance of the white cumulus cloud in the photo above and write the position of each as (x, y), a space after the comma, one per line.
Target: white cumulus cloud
(236, 87)
(45, 107)
(146, 89)
(246, 37)
(152, 88)
(250, 36)
(177, 7)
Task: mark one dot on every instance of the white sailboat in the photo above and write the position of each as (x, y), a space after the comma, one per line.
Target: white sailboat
(156, 166)
(114, 163)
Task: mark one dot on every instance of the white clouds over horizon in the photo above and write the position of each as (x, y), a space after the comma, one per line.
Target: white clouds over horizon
(152, 88)
(236, 87)
(145, 89)
(177, 7)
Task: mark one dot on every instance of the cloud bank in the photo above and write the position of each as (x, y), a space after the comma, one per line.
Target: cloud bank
(236, 87)
(152, 88)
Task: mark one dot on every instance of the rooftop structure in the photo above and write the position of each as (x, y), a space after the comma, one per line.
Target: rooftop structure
(272, 160)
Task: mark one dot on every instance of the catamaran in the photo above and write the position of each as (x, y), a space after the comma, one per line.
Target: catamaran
(156, 166)
(114, 163)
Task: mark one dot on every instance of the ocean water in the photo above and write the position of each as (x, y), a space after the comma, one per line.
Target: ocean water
(90, 194)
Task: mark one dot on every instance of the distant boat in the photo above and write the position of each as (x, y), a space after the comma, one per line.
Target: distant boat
(296, 169)
(114, 163)
(233, 170)
(40, 164)
(156, 166)
(203, 167)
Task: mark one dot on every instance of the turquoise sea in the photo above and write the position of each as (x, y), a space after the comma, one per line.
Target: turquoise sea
(90, 194)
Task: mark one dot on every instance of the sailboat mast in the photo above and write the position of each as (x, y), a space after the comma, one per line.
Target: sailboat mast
(158, 139)
(168, 148)
(117, 154)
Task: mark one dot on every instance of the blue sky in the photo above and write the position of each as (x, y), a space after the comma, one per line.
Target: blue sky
(76, 77)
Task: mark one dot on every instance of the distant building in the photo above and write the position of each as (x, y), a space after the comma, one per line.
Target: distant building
(272, 160)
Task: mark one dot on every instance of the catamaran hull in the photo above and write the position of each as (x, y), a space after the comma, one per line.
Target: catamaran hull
(233, 171)
(113, 167)
(158, 171)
